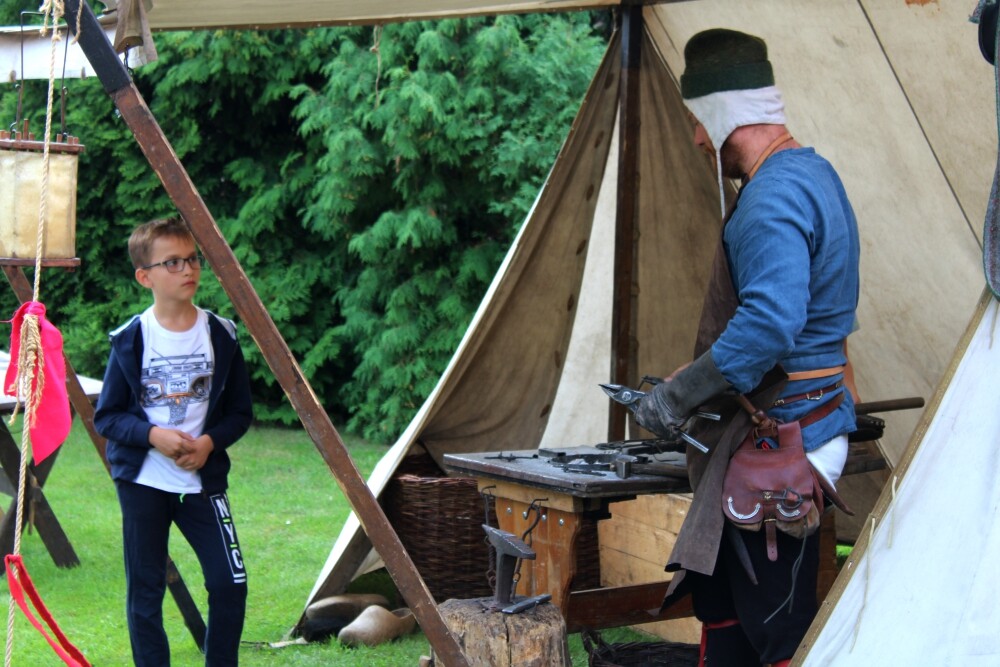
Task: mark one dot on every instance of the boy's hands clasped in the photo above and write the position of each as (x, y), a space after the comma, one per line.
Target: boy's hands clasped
(188, 452)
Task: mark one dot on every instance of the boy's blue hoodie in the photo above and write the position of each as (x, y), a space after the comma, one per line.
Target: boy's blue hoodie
(121, 419)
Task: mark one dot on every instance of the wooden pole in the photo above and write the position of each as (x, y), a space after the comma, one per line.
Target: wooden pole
(262, 328)
(623, 311)
(35, 504)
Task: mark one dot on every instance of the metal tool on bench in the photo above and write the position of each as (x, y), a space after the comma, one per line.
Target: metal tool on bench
(509, 550)
(630, 399)
(622, 464)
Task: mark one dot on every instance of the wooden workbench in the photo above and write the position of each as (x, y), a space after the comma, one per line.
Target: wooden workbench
(533, 493)
(550, 503)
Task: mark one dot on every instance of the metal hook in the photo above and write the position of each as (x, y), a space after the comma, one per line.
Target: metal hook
(538, 517)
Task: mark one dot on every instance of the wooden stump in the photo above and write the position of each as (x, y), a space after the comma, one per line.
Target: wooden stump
(533, 638)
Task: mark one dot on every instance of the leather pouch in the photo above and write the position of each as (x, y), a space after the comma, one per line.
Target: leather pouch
(776, 489)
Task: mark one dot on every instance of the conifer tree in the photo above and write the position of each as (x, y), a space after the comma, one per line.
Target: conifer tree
(369, 180)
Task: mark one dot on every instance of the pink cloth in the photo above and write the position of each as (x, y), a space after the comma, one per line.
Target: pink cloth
(16, 571)
(52, 415)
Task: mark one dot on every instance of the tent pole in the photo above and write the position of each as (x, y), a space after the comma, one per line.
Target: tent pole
(623, 315)
(251, 310)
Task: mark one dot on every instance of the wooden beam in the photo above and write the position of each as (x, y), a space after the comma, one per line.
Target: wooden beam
(617, 606)
(262, 328)
(623, 310)
(35, 504)
(69, 262)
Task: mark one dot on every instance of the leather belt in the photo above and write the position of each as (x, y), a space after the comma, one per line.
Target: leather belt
(809, 418)
(822, 411)
(813, 395)
(814, 374)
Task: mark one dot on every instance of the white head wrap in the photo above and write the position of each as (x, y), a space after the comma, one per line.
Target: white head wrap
(722, 112)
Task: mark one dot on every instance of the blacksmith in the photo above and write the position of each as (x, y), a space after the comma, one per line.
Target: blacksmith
(791, 248)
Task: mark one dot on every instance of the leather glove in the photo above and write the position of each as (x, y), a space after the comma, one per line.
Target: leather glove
(670, 403)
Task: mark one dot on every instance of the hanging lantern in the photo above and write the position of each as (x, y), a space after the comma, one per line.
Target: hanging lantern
(22, 171)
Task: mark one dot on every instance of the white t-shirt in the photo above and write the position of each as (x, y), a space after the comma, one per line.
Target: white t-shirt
(176, 376)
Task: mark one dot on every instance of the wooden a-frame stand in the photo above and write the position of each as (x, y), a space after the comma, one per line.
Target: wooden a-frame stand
(178, 185)
(42, 516)
(251, 310)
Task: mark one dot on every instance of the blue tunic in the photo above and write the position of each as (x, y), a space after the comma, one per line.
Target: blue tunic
(793, 252)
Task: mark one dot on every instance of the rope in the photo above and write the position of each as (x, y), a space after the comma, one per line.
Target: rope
(993, 329)
(864, 598)
(892, 504)
(18, 521)
(30, 381)
(868, 557)
(56, 8)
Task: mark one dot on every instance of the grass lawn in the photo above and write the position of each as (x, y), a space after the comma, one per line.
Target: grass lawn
(288, 510)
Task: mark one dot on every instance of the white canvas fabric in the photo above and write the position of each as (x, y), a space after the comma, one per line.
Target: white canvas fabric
(722, 112)
(920, 587)
(870, 113)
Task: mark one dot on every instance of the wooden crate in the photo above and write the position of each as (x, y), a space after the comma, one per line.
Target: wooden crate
(636, 541)
(634, 545)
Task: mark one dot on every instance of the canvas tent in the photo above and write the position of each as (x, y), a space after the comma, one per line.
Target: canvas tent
(863, 82)
(893, 92)
(895, 609)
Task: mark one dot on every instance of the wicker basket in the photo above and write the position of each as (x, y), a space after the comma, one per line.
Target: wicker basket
(439, 521)
(638, 654)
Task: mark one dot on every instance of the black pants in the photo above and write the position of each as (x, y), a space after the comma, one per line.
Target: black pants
(206, 523)
(774, 614)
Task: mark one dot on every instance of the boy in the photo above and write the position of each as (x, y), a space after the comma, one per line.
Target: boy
(176, 395)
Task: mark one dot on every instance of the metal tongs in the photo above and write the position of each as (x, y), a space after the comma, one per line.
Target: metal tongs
(630, 399)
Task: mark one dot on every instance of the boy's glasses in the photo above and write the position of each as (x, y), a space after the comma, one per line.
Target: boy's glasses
(177, 265)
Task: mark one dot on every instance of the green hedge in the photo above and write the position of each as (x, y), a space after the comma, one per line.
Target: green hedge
(369, 180)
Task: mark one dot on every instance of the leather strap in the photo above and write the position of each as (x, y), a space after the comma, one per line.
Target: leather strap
(813, 395)
(817, 373)
(770, 427)
(771, 147)
(822, 411)
(771, 534)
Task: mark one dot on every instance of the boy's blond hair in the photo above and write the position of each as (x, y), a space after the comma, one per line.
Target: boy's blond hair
(140, 244)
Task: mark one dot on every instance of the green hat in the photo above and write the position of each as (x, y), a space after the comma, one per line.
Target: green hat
(719, 59)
